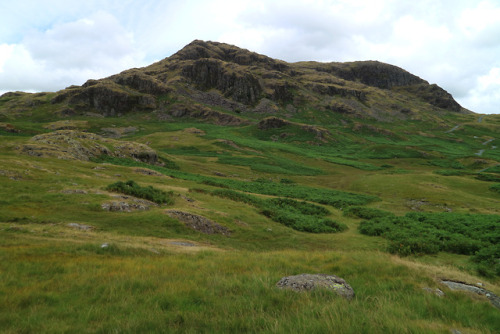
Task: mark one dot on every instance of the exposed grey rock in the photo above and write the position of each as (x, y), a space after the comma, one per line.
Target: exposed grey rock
(180, 243)
(147, 171)
(80, 226)
(127, 204)
(307, 282)
(436, 291)
(494, 299)
(74, 191)
(199, 223)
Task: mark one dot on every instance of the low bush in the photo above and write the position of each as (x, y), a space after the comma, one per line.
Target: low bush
(488, 177)
(133, 189)
(365, 213)
(452, 172)
(429, 233)
(495, 188)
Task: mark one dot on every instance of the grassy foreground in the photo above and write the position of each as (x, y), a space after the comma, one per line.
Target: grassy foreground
(81, 287)
(156, 275)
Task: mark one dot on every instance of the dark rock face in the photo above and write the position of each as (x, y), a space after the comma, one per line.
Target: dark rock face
(435, 95)
(376, 74)
(307, 282)
(206, 74)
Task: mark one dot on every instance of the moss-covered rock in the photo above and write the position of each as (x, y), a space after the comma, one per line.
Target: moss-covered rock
(78, 145)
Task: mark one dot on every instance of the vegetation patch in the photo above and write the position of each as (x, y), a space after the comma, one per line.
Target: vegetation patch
(300, 216)
(429, 233)
(453, 172)
(353, 163)
(366, 213)
(495, 188)
(488, 177)
(133, 189)
(271, 165)
(336, 198)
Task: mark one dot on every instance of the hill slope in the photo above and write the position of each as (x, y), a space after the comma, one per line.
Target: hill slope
(172, 198)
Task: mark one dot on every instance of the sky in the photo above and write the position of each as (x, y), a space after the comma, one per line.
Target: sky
(47, 45)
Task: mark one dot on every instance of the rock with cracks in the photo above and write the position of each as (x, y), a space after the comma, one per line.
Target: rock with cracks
(307, 282)
(199, 223)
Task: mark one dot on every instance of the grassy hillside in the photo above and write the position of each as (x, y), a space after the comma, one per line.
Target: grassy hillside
(91, 235)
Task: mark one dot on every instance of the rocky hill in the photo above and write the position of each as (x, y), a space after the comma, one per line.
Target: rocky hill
(218, 81)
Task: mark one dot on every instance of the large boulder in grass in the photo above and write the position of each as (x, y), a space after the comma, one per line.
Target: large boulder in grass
(308, 282)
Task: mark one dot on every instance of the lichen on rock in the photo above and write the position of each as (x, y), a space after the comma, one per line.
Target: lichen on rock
(308, 282)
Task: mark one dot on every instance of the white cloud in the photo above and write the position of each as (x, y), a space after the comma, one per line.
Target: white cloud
(486, 93)
(68, 53)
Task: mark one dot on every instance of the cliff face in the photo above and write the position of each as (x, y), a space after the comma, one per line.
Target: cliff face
(208, 74)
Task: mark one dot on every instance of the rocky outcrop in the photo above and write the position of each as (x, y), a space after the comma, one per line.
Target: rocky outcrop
(460, 286)
(199, 223)
(228, 53)
(272, 123)
(106, 97)
(78, 145)
(308, 282)
(236, 83)
(204, 113)
(373, 73)
(276, 123)
(435, 95)
(141, 82)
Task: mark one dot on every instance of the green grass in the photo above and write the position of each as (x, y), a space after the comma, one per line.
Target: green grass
(274, 190)
(91, 290)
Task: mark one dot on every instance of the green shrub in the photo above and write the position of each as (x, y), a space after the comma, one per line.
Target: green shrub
(488, 177)
(495, 188)
(452, 172)
(429, 233)
(133, 189)
(365, 213)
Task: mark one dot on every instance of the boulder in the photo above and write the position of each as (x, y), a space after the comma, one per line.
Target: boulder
(308, 282)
